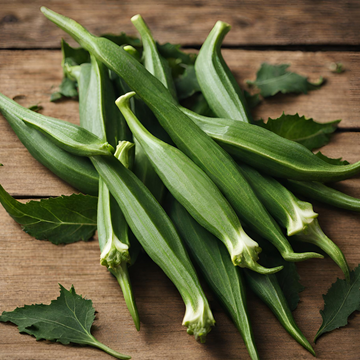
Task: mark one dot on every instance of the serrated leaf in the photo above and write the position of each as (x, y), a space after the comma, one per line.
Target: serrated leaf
(68, 319)
(61, 220)
(187, 84)
(271, 79)
(305, 131)
(337, 161)
(341, 300)
(252, 100)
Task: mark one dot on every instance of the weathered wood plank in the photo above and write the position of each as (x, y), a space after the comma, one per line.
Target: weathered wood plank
(253, 22)
(32, 270)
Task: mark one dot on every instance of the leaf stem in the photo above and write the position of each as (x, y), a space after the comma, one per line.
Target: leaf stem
(101, 346)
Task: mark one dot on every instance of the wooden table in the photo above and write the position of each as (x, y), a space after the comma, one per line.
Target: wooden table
(308, 35)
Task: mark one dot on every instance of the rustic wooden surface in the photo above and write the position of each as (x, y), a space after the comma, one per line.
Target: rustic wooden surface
(254, 22)
(30, 269)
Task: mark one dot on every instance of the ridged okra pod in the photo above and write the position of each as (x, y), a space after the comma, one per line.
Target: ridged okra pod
(196, 192)
(269, 152)
(291, 213)
(69, 137)
(75, 170)
(267, 288)
(153, 61)
(294, 215)
(98, 114)
(325, 194)
(156, 233)
(188, 137)
(142, 166)
(213, 261)
(216, 81)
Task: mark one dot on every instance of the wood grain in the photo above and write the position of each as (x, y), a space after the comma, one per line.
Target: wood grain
(256, 22)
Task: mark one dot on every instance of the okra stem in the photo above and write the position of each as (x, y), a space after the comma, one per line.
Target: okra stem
(313, 234)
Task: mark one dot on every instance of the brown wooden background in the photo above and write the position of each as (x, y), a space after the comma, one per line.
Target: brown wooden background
(305, 33)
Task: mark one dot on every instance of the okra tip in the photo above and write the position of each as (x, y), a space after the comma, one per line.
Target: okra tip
(263, 270)
(136, 18)
(295, 257)
(222, 26)
(123, 100)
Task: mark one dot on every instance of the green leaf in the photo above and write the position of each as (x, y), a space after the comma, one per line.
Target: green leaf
(271, 79)
(305, 131)
(61, 220)
(289, 281)
(176, 58)
(187, 84)
(341, 300)
(173, 51)
(252, 100)
(35, 107)
(124, 39)
(337, 161)
(78, 55)
(67, 319)
(288, 278)
(71, 56)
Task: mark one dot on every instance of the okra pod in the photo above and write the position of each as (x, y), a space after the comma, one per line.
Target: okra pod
(192, 188)
(189, 138)
(292, 214)
(214, 263)
(75, 170)
(267, 288)
(269, 152)
(96, 105)
(325, 194)
(69, 137)
(156, 233)
(296, 216)
(153, 61)
(216, 81)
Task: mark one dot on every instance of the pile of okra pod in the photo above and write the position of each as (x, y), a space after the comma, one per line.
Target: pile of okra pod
(224, 180)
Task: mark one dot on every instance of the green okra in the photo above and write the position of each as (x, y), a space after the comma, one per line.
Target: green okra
(214, 263)
(69, 137)
(159, 68)
(153, 61)
(291, 213)
(189, 138)
(268, 152)
(194, 190)
(267, 288)
(294, 215)
(156, 233)
(75, 170)
(216, 81)
(96, 107)
(317, 191)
